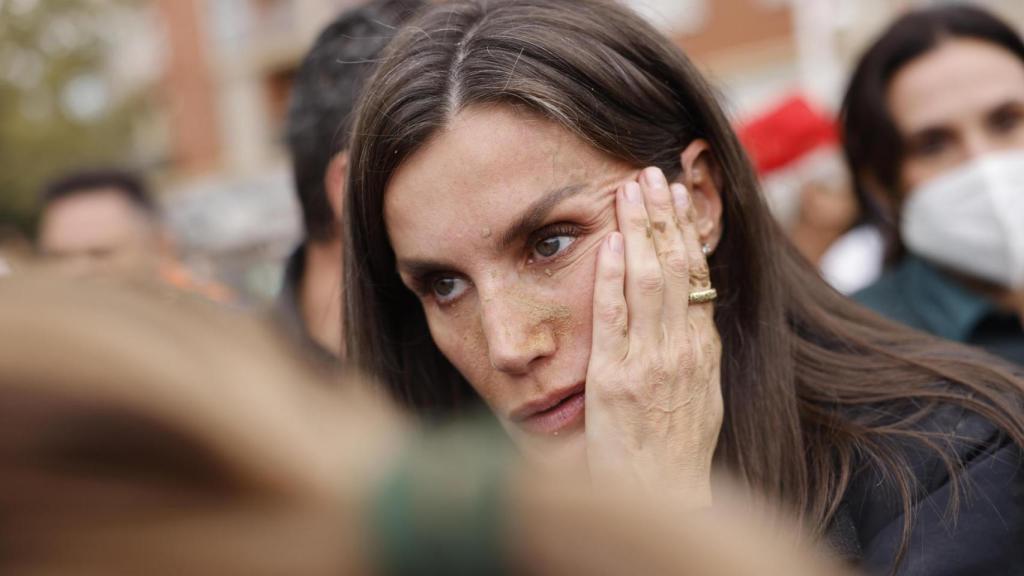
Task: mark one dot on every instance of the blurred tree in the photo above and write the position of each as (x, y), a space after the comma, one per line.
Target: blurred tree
(58, 108)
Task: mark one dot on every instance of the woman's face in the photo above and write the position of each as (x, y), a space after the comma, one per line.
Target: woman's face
(495, 224)
(955, 103)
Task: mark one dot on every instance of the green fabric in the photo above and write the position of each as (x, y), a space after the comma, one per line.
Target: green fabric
(922, 297)
(442, 510)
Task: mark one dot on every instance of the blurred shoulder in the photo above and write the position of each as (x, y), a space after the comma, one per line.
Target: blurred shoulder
(891, 297)
(969, 524)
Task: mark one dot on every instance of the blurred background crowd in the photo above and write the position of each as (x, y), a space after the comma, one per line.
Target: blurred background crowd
(191, 96)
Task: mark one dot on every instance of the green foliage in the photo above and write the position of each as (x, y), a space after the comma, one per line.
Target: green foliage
(46, 48)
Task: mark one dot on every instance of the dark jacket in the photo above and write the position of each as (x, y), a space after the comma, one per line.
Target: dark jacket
(984, 536)
(921, 296)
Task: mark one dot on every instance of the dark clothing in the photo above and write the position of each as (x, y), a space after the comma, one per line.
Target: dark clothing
(987, 535)
(923, 297)
(288, 312)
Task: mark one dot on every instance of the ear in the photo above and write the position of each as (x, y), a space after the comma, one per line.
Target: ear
(702, 177)
(334, 183)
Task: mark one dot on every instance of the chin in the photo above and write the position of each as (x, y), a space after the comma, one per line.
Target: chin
(565, 451)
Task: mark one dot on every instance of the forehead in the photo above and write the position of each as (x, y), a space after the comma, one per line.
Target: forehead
(488, 165)
(958, 79)
(94, 217)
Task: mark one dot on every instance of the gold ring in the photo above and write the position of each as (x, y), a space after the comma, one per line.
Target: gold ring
(703, 296)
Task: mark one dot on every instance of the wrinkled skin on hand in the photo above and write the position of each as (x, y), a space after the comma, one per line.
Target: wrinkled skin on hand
(654, 402)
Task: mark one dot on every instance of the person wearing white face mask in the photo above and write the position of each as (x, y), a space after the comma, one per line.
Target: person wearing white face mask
(988, 194)
(933, 130)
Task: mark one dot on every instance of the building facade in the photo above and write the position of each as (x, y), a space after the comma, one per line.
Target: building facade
(229, 65)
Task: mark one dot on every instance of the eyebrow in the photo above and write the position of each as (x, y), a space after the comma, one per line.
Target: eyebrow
(928, 131)
(1011, 104)
(535, 213)
(420, 268)
(1005, 105)
(524, 224)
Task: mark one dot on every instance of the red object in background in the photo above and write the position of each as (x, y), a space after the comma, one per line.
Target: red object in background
(785, 133)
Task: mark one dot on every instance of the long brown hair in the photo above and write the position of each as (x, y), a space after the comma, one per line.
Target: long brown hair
(802, 367)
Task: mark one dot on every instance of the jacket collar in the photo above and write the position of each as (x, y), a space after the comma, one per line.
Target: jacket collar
(947, 308)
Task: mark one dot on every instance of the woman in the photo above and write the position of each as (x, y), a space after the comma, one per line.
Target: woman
(934, 125)
(549, 212)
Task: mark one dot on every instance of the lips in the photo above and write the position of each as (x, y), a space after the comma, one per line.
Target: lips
(552, 413)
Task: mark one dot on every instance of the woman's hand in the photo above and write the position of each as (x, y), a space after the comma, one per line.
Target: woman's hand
(653, 396)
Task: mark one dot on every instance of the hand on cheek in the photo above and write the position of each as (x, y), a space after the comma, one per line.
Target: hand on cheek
(653, 396)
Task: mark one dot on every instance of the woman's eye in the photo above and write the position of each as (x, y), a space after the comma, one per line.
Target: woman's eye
(1004, 121)
(552, 246)
(447, 288)
(931, 143)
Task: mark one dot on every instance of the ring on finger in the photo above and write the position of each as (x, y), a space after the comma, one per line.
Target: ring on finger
(703, 296)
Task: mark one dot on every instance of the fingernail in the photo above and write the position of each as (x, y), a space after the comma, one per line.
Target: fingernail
(632, 191)
(651, 176)
(615, 242)
(679, 195)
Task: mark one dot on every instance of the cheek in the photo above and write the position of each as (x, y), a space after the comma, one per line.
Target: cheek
(573, 290)
(459, 336)
(916, 172)
(1015, 140)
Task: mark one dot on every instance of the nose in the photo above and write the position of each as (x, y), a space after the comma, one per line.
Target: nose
(518, 332)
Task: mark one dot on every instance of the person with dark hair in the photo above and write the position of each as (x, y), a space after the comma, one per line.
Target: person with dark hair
(101, 221)
(933, 130)
(549, 212)
(323, 96)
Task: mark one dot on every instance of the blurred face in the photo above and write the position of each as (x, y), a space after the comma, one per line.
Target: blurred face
(495, 225)
(99, 231)
(955, 103)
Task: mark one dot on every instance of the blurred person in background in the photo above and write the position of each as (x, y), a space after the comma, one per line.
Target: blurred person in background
(933, 128)
(148, 432)
(101, 221)
(549, 213)
(105, 222)
(795, 149)
(323, 96)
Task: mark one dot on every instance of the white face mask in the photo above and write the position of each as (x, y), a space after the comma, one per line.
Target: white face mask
(971, 219)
